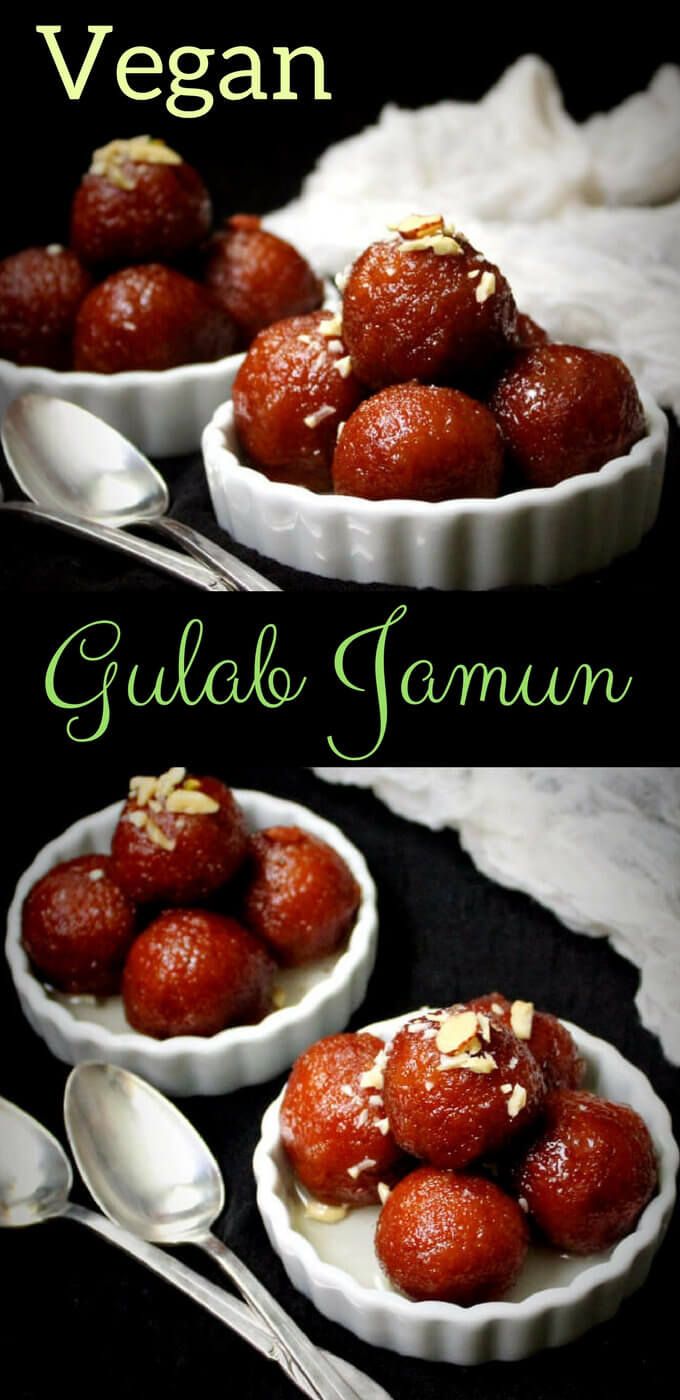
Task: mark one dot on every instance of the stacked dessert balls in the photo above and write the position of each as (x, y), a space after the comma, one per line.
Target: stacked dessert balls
(472, 1132)
(429, 384)
(138, 921)
(143, 284)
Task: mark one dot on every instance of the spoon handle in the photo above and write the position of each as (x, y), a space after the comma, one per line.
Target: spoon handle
(151, 553)
(229, 1310)
(238, 575)
(303, 1354)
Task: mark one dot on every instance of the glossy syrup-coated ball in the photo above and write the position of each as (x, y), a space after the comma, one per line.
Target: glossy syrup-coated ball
(564, 410)
(40, 292)
(416, 442)
(292, 392)
(139, 202)
(413, 314)
(528, 333)
(178, 838)
(452, 1237)
(301, 896)
(333, 1124)
(149, 317)
(547, 1038)
(258, 278)
(589, 1172)
(453, 1106)
(77, 926)
(192, 972)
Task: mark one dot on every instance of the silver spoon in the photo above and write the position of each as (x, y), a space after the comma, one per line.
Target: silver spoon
(151, 1172)
(70, 461)
(35, 1182)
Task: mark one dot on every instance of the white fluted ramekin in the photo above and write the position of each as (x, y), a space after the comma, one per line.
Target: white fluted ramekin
(542, 535)
(499, 1331)
(328, 993)
(162, 411)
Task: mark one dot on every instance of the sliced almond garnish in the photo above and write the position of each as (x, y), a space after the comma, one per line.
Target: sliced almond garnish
(326, 1215)
(522, 1018)
(332, 326)
(314, 419)
(484, 1026)
(374, 1078)
(344, 366)
(441, 243)
(169, 780)
(111, 159)
(143, 789)
(158, 837)
(194, 802)
(457, 1032)
(138, 819)
(419, 225)
(384, 1192)
(54, 249)
(475, 272)
(485, 287)
(516, 1101)
(95, 875)
(363, 1166)
(383, 1126)
(479, 1064)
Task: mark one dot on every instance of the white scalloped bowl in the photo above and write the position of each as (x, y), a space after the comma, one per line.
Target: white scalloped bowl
(556, 1299)
(162, 411)
(539, 536)
(320, 997)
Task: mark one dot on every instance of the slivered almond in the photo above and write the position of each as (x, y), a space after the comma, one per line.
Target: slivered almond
(314, 419)
(384, 1192)
(516, 1101)
(331, 327)
(418, 225)
(158, 837)
(479, 1064)
(522, 1018)
(169, 780)
(326, 1215)
(192, 801)
(457, 1032)
(383, 1126)
(363, 1166)
(344, 366)
(440, 243)
(138, 819)
(143, 789)
(485, 287)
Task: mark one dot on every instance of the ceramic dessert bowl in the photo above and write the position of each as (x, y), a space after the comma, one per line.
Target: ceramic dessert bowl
(320, 996)
(556, 1298)
(542, 535)
(162, 411)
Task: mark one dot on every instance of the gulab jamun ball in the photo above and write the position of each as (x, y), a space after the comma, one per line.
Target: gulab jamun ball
(258, 278)
(138, 202)
(589, 1172)
(564, 410)
(77, 926)
(292, 392)
(192, 972)
(149, 318)
(40, 292)
(419, 442)
(548, 1040)
(301, 896)
(459, 1085)
(179, 838)
(456, 1238)
(333, 1123)
(528, 333)
(425, 305)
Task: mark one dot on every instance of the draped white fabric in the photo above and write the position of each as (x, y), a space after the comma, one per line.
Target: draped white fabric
(600, 847)
(583, 218)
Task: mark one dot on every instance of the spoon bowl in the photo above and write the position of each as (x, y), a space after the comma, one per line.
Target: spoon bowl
(35, 1173)
(144, 1163)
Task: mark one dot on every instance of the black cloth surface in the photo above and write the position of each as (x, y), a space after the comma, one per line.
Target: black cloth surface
(80, 1316)
(38, 558)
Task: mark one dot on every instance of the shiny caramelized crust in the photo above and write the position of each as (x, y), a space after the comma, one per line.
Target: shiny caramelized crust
(549, 1042)
(192, 973)
(589, 1172)
(452, 1107)
(290, 396)
(416, 315)
(415, 442)
(139, 212)
(178, 856)
(333, 1124)
(77, 926)
(564, 410)
(301, 896)
(258, 278)
(451, 1237)
(40, 292)
(149, 317)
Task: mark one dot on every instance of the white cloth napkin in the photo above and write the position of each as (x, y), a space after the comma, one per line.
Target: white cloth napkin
(584, 218)
(600, 847)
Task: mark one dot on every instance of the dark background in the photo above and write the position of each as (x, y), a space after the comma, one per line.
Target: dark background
(82, 1317)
